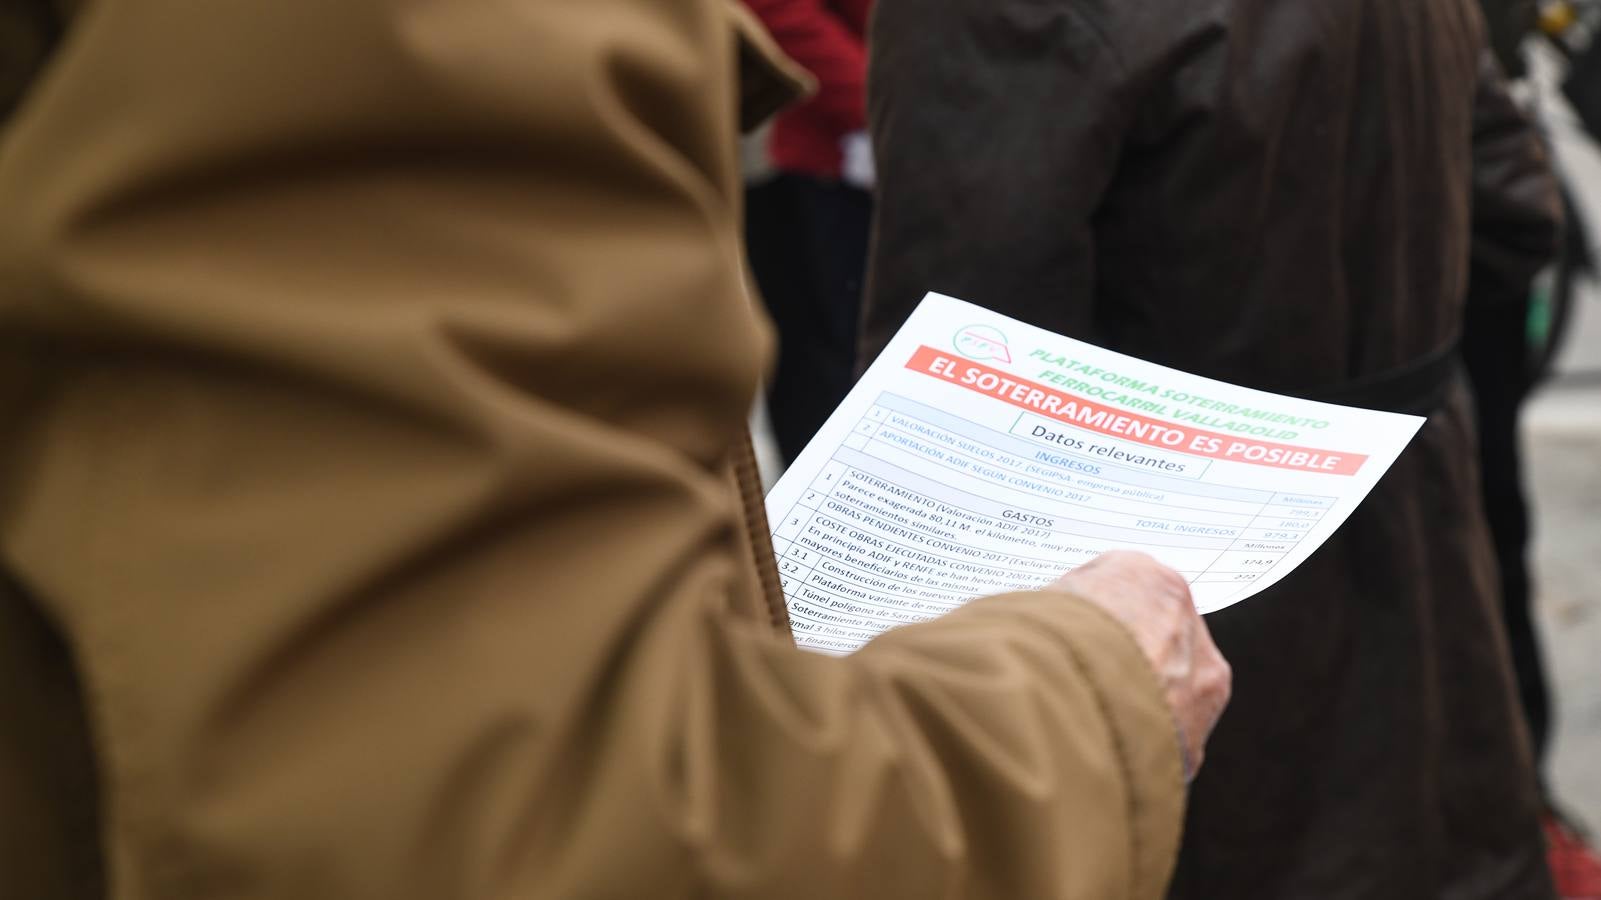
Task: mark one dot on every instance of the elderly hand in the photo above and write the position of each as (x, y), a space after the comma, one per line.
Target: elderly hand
(1154, 602)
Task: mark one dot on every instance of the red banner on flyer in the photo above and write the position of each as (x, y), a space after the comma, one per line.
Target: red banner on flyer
(1079, 412)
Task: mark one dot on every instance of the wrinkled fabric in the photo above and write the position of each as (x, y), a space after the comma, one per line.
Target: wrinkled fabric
(1283, 195)
(377, 518)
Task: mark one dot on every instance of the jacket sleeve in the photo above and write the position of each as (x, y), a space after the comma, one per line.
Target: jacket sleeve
(370, 374)
(996, 128)
(815, 35)
(1517, 203)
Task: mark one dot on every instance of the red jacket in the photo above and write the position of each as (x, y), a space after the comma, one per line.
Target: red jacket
(828, 38)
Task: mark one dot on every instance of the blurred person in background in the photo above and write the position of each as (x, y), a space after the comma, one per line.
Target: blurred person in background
(27, 31)
(1285, 196)
(378, 520)
(1495, 350)
(807, 219)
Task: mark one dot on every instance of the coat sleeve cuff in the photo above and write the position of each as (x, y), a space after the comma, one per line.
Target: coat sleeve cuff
(1134, 704)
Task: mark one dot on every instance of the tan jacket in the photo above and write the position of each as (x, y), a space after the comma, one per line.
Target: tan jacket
(375, 519)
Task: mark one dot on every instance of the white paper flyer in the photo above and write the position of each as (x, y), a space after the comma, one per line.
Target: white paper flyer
(980, 455)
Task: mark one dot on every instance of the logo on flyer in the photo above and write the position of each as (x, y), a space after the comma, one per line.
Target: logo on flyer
(983, 342)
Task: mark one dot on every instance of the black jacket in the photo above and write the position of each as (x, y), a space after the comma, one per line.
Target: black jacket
(1284, 195)
(1509, 23)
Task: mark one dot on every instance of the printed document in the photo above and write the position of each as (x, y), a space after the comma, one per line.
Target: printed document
(981, 455)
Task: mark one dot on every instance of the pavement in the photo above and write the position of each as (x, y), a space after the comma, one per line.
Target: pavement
(1562, 445)
(1562, 442)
